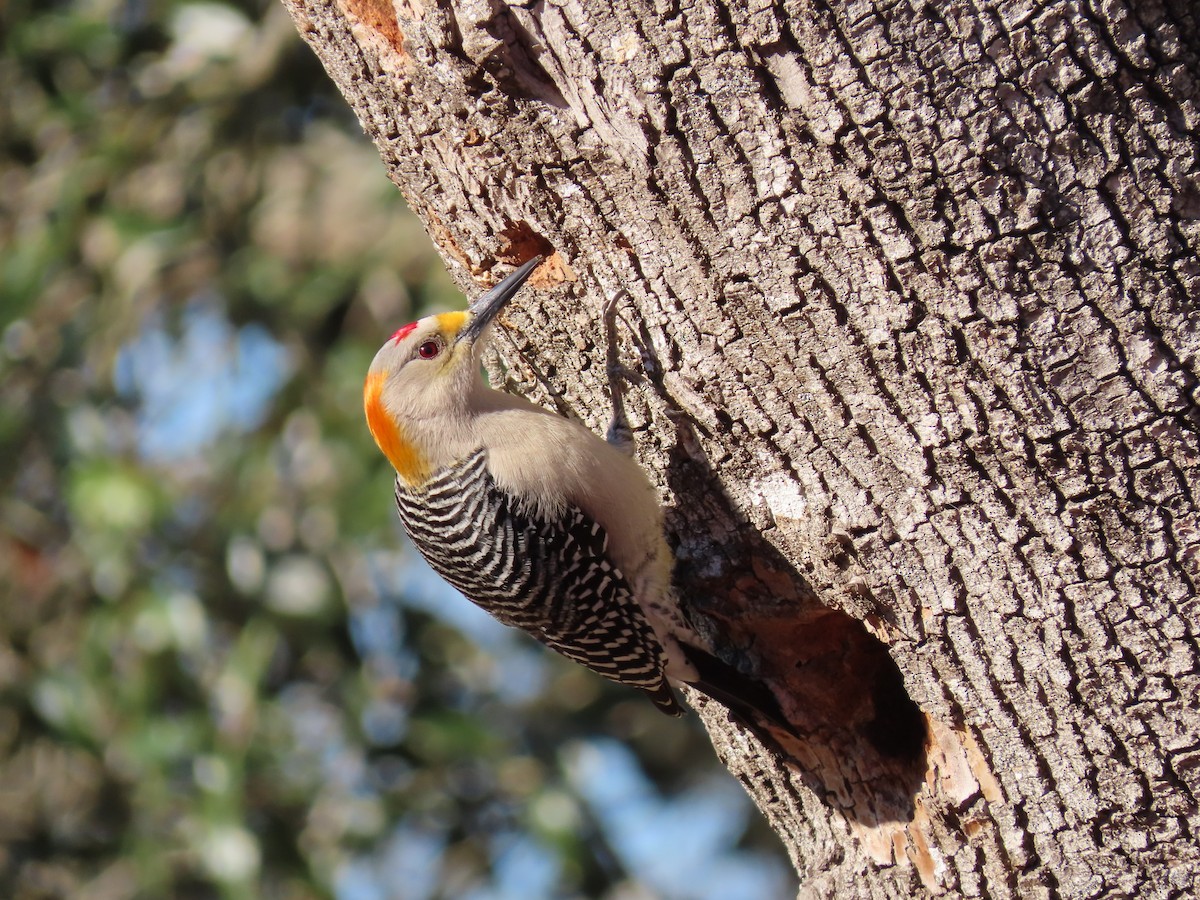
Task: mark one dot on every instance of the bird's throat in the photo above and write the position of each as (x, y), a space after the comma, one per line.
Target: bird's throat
(409, 463)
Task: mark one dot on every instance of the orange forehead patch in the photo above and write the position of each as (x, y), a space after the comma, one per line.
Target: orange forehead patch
(451, 323)
(406, 459)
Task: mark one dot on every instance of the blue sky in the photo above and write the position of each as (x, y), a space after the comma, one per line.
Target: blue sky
(189, 390)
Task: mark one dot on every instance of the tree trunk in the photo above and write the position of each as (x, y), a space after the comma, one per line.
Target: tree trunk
(912, 290)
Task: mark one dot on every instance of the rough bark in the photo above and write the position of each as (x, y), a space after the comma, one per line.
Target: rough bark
(912, 286)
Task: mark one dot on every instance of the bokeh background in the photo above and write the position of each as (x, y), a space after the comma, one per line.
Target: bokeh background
(223, 673)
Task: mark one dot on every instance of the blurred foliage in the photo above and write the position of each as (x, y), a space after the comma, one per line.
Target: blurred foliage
(221, 673)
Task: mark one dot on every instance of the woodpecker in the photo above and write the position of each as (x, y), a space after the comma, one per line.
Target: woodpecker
(533, 517)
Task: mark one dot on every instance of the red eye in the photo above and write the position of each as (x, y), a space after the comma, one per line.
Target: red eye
(429, 350)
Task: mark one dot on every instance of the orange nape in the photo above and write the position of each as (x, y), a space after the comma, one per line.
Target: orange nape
(406, 459)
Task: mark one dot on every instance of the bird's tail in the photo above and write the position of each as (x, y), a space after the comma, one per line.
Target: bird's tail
(750, 700)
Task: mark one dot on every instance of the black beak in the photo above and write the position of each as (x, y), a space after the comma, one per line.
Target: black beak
(487, 307)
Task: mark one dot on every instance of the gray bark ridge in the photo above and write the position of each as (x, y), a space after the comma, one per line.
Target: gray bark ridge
(914, 289)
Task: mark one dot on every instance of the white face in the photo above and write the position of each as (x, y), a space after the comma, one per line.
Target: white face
(422, 374)
(431, 340)
(446, 339)
(422, 380)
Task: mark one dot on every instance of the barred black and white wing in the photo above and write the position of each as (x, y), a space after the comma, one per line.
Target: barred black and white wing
(551, 578)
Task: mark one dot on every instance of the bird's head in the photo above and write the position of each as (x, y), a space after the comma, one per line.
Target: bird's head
(420, 386)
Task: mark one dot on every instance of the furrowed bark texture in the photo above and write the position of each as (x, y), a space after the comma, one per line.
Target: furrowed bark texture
(912, 290)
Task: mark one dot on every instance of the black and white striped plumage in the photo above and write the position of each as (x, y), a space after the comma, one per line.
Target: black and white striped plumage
(550, 577)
